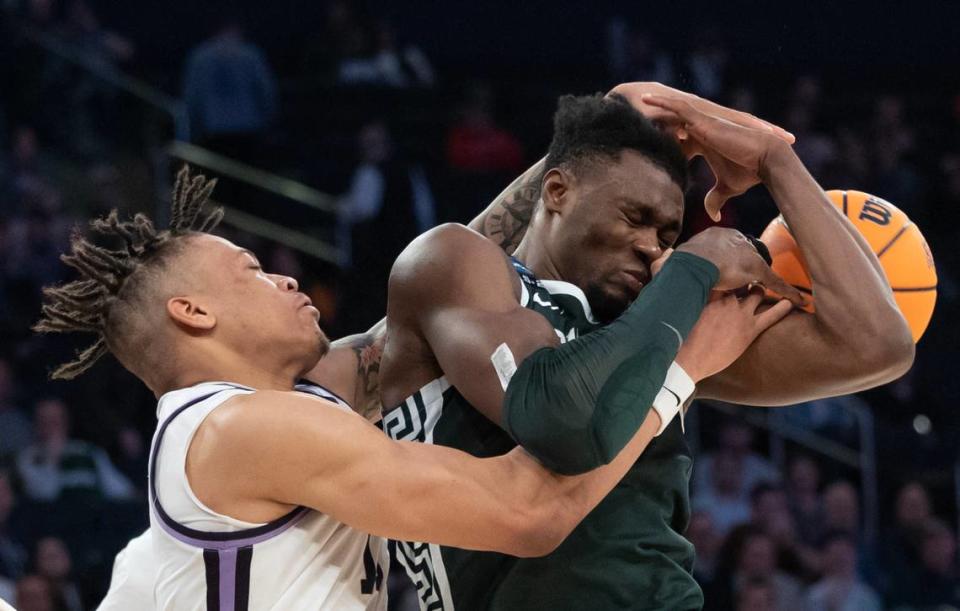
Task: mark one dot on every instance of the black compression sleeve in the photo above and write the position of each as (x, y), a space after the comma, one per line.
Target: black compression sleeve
(576, 406)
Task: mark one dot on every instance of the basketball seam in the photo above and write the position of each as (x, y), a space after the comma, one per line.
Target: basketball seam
(906, 226)
(919, 289)
(845, 205)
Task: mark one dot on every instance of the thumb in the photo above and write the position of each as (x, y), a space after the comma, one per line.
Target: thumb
(715, 199)
(778, 285)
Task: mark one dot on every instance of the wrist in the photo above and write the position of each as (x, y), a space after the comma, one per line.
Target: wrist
(778, 156)
(689, 365)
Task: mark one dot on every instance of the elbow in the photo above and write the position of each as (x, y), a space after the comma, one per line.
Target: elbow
(888, 351)
(541, 531)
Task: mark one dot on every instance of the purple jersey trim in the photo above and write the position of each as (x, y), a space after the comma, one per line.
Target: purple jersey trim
(205, 539)
(228, 579)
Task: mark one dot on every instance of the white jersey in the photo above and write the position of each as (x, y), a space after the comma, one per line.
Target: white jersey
(206, 560)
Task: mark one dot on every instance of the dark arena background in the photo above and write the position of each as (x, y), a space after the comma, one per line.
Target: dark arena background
(445, 103)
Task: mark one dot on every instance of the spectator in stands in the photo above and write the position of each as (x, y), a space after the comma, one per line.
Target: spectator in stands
(34, 593)
(936, 583)
(736, 440)
(771, 514)
(724, 501)
(703, 535)
(632, 55)
(901, 549)
(756, 595)
(91, 103)
(707, 64)
(803, 496)
(230, 93)
(840, 588)
(481, 155)
(750, 555)
(389, 203)
(56, 466)
(475, 143)
(52, 562)
(386, 63)
(13, 555)
(15, 432)
(841, 507)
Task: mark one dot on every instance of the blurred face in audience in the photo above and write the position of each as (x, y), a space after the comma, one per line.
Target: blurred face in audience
(6, 496)
(6, 383)
(53, 559)
(841, 506)
(34, 594)
(913, 505)
(840, 559)
(756, 597)
(727, 474)
(804, 476)
(737, 438)
(51, 421)
(701, 533)
(757, 557)
(939, 551)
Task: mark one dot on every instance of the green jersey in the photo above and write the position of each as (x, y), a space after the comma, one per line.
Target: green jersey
(628, 553)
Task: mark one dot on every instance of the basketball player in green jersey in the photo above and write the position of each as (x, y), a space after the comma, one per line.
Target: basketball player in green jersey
(484, 353)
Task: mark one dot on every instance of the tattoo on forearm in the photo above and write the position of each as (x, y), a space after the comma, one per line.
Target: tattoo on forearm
(507, 218)
(369, 350)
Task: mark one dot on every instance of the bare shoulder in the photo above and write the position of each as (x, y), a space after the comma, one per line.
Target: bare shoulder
(267, 416)
(451, 256)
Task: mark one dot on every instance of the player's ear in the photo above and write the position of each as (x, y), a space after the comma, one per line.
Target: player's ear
(190, 313)
(556, 190)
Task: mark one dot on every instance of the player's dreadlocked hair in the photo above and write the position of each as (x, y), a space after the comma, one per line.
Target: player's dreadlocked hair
(109, 278)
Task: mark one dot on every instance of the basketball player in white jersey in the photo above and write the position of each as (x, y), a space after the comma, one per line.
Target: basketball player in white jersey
(269, 495)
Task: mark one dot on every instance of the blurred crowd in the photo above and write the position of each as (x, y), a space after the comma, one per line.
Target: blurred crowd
(404, 143)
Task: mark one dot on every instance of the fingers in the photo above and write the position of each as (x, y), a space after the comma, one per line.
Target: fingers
(681, 108)
(770, 317)
(769, 279)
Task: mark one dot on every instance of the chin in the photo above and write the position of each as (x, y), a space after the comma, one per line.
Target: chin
(607, 303)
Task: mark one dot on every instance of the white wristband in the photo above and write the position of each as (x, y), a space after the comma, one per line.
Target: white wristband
(677, 388)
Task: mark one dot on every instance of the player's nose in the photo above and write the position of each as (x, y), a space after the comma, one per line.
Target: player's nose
(286, 283)
(647, 245)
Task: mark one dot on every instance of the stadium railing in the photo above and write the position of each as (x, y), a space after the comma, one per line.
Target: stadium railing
(182, 149)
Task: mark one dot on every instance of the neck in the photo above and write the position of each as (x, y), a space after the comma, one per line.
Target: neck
(234, 370)
(532, 253)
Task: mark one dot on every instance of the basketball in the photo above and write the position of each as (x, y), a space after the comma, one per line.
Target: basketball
(893, 237)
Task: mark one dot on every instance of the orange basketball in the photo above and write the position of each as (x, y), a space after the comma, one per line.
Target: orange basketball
(897, 242)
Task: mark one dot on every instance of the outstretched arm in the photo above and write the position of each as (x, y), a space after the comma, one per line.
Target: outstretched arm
(857, 338)
(297, 450)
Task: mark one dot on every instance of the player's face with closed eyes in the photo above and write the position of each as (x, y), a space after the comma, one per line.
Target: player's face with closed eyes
(627, 212)
(259, 313)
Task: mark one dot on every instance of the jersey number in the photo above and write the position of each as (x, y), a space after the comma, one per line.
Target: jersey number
(373, 574)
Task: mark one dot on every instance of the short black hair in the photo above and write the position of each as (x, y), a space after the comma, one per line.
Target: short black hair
(590, 126)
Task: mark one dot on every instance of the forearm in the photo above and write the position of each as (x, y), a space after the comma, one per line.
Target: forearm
(855, 310)
(576, 406)
(351, 369)
(506, 219)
